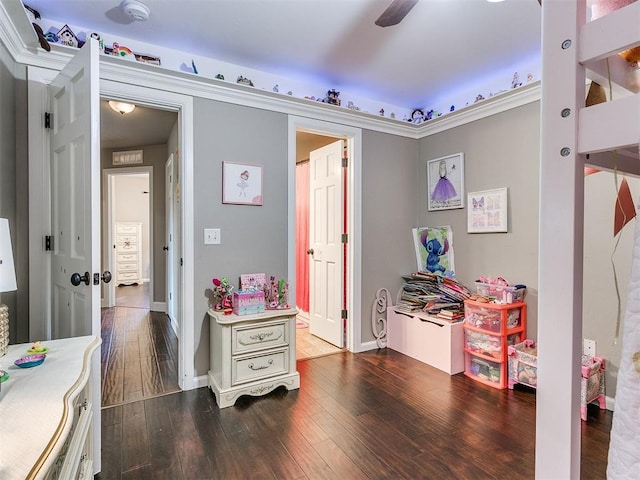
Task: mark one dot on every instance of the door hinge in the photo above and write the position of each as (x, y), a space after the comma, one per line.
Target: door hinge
(343, 314)
(48, 243)
(345, 162)
(181, 263)
(48, 120)
(345, 238)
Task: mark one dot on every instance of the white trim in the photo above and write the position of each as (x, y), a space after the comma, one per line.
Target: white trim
(162, 307)
(39, 205)
(518, 97)
(354, 214)
(366, 346)
(200, 381)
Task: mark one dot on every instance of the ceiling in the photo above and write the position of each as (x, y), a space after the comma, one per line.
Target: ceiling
(440, 46)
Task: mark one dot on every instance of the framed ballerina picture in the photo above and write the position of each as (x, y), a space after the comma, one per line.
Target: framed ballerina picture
(241, 184)
(445, 182)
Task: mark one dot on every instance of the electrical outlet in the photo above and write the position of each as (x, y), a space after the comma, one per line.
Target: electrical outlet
(589, 347)
(211, 236)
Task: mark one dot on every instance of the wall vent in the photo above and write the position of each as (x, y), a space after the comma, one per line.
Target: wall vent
(127, 158)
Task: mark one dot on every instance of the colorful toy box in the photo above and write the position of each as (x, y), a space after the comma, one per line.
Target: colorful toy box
(248, 302)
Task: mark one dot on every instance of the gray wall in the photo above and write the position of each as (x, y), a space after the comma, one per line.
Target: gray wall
(156, 157)
(14, 200)
(503, 151)
(389, 190)
(499, 151)
(253, 239)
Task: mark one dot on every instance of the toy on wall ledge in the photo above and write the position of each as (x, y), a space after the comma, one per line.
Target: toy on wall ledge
(515, 83)
(42, 39)
(417, 116)
(219, 77)
(67, 37)
(332, 97)
(244, 81)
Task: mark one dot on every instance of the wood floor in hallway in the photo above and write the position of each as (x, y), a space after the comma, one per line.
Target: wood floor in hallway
(139, 350)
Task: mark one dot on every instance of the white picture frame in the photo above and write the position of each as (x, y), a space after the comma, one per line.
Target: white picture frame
(241, 184)
(445, 182)
(488, 211)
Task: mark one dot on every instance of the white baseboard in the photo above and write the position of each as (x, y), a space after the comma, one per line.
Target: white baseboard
(302, 315)
(159, 307)
(372, 345)
(201, 381)
(611, 403)
(174, 327)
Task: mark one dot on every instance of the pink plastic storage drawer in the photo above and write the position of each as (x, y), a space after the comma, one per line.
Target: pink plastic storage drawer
(494, 346)
(494, 317)
(485, 371)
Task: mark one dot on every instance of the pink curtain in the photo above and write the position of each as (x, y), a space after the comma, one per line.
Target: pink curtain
(302, 236)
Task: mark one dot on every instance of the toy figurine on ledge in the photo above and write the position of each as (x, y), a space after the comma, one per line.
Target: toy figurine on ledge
(276, 294)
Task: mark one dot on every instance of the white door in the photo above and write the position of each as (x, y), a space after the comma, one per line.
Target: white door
(75, 189)
(75, 209)
(325, 243)
(169, 243)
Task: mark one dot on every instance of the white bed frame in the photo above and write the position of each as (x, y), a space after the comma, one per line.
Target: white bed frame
(574, 52)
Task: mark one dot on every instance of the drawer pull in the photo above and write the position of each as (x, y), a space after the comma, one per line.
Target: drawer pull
(261, 336)
(261, 367)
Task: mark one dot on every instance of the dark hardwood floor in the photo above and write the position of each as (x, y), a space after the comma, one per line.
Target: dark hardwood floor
(139, 350)
(373, 415)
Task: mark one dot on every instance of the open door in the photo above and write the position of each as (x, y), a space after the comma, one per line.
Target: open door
(170, 244)
(325, 244)
(75, 205)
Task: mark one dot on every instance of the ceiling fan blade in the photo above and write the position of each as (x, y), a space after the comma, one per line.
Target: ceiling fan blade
(395, 12)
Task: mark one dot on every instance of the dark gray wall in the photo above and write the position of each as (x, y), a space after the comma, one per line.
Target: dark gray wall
(14, 200)
(156, 157)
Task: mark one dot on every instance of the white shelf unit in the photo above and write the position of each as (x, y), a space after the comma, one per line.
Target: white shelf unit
(128, 253)
(573, 52)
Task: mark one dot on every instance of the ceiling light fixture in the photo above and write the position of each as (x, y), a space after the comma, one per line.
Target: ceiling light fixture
(135, 10)
(122, 107)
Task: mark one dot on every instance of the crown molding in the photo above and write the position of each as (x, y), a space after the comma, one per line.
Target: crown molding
(16, 33)
(518, 97)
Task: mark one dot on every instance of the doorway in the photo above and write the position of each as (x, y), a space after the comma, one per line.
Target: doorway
(140, 345)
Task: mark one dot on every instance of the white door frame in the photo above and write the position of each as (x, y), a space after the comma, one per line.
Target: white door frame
(40, 204)
(108, 175)
(353, 136)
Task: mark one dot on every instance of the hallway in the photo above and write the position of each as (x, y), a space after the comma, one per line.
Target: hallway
(139, 356)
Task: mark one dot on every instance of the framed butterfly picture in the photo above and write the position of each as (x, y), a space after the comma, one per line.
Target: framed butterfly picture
(487, 211)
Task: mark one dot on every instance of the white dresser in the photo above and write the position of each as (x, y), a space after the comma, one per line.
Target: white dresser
(128, 253)
(252, 354)
(47, 413)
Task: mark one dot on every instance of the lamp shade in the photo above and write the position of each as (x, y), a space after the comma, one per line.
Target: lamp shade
(7, 270)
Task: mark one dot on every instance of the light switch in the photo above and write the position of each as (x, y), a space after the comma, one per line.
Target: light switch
(211, 236)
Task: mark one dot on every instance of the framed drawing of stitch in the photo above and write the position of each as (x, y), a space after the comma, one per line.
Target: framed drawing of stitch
(241, 184)
(445, 182)
(487, 211)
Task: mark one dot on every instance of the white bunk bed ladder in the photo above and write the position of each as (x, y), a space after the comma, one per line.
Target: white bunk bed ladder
(572, 52)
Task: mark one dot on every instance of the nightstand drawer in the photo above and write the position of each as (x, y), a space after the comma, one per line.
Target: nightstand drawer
(254, 367)
(258, 337)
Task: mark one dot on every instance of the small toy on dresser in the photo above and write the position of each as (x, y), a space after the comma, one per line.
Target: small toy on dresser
(222, 293)
(277, 294)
